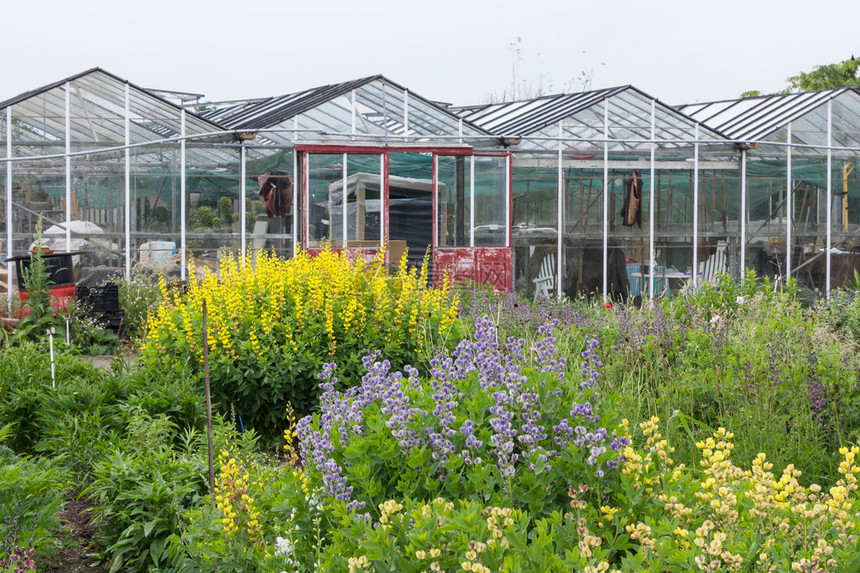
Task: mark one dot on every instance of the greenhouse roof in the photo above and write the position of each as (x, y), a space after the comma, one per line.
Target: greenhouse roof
(762, 117)
(97, 117)
(372, 106)
(581, 117)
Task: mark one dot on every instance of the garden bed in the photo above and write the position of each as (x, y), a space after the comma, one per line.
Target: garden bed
(716, 431)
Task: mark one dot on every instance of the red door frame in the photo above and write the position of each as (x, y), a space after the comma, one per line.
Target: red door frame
(469, 259)
(491, 265)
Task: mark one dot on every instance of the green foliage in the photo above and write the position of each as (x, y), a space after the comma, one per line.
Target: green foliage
(754, 364)
(86, 333)
(253, 208)
(142, 492)
(413, 535)
(225, 210)
(825, 77)
(486, 425)
(88, 411)
(31, 492)
(738, 354)
(204, 217)
(841, 314)
(289, 538)
(39, 312)
(139, 297)
(272, 325)
(25, 386)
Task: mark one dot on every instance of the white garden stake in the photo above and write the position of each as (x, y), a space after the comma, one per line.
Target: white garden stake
(68, 339)
(51, 345)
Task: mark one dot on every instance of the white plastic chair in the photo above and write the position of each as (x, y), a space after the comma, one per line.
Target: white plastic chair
(714, 265)
(545, 281)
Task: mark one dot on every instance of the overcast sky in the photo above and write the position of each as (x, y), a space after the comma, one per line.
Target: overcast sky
(680, 51)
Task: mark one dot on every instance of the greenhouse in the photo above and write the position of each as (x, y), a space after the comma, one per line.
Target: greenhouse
(610, 191)
(809, 144)
(649, 159)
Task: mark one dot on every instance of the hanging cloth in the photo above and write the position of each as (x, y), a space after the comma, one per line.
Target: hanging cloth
(276, 192)
(631, 211)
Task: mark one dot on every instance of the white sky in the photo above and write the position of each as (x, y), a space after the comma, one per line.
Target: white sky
(680, 51)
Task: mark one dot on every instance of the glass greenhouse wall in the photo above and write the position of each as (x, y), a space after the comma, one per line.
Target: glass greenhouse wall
(612, 193)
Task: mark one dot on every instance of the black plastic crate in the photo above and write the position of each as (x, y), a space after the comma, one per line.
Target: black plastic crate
(115, 321)
(101, 299)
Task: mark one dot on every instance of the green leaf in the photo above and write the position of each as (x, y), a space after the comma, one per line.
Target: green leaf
(156, 550)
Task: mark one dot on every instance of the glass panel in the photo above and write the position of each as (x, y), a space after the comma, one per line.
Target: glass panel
(846, 121)
(629, 233)
(719, 224)
(846, 189)
(808, 201)
(365, 199)
(333, 117)
(363, 214)
(846, 220)
(410, 204)
(339, 216)
(271, 185)
(673, 240)
(490, 208)
(454, 201)
(5, 279)
(765, 216)
(583, 232)
(154, 209)
(98, 217)
(535, 217)
(213, 209)
(323, 171)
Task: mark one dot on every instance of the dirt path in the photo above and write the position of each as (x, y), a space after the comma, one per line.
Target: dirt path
(105, 361)
(78, 535)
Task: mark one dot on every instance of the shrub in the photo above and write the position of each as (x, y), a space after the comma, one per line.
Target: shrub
(31, 498)
(141, 491)
(139, 296)
(262, 517)
(26, 384)
(40, 314)
(85, 420)
(841, 314)
(273, 324)
(86, 333)
(732, 354)
(662, 517)
(495, 422)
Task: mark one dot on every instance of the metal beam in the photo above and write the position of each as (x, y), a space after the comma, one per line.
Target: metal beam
(644, 164)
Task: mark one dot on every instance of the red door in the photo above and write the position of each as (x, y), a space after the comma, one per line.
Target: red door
(472, 236)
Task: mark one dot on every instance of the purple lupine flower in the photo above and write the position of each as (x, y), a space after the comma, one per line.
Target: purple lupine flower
(503, 434)
(590, 365)
(532, 436)
(618, 442)
(316, 446)
(564, 433)
(396, 406)
(817, 393)
(545, 351)
(473, 444)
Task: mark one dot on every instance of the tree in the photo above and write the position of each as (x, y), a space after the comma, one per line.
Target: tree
(831, 76)
(838, 75)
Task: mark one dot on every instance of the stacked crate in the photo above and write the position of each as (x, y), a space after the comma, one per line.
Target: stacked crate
(104, 302)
